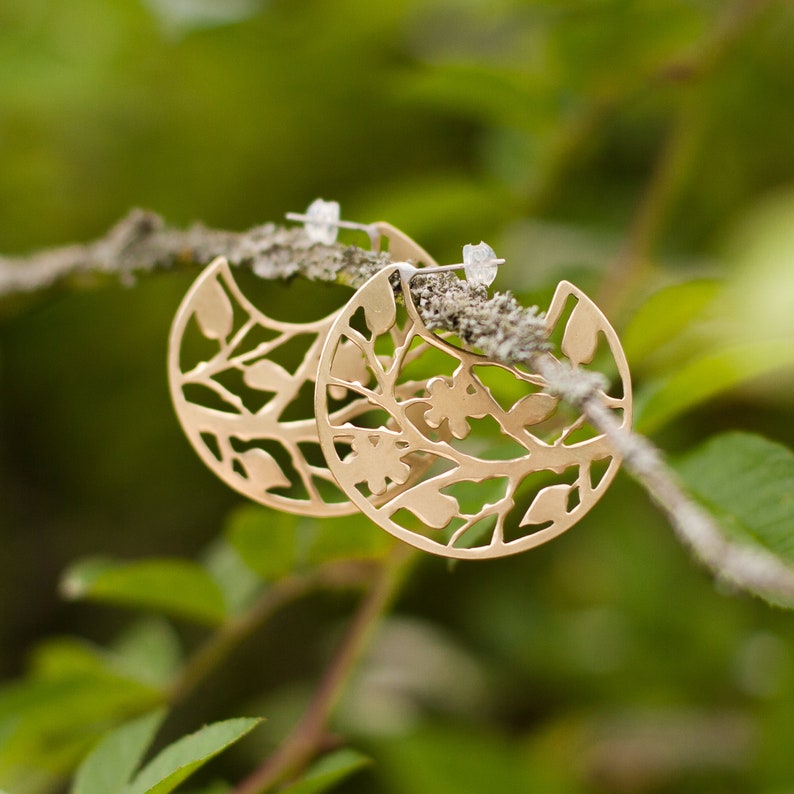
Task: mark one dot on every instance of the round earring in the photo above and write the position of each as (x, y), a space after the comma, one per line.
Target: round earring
(237, 405)
(552, 465)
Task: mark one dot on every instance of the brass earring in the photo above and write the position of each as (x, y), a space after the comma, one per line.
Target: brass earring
(554, 467)
(253, 449)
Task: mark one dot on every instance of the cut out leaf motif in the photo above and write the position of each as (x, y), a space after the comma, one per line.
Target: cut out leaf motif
(380, 309)
(535, 408)
(262, 469)
(213, 310)
(580, 340)
(350, 365)
(550, 504)
(429, 505)
(266, 375)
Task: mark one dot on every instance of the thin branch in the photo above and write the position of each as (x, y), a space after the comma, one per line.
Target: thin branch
(143, 242)
(211, 655)
(744, 567)
(498, 326)
(677, 151)
(309, 736)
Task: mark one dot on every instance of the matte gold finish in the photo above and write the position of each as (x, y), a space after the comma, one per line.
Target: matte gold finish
(554, 467)
(232, 402)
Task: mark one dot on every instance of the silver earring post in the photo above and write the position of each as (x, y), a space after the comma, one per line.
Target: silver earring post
(322, 223)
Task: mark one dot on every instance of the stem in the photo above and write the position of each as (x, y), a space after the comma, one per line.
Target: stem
(632, 261)
(308, 735)
(142, 242)
(677, 152)
(210, 655)
(745, 567)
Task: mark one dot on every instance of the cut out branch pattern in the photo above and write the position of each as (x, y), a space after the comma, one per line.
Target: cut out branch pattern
(255, 450)
(414, 431)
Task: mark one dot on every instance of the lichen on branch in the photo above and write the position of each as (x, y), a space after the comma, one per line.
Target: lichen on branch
(498, 326)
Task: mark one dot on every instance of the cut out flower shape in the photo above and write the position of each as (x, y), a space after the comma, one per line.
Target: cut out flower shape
(376, 458)
(456, 399)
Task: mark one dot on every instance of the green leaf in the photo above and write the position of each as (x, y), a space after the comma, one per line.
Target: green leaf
(747, 481)
(239, 583)
(266, 540)
(217, 787)
(706, 377)
(150, 651)
(347, 538)
(475, 762)
(182, 758)
(665, 315)
(174, 586)
(327, 772)
(51, 723)
(110, 765)
(62, 657)
(275, 545)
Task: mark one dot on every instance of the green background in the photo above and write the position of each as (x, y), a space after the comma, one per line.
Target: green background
(626, 146)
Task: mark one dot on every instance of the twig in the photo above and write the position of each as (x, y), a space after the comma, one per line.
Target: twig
(498, 326)
(677, 151)
(309, 735)
(143, 242)
(744, 567)
(210, 655)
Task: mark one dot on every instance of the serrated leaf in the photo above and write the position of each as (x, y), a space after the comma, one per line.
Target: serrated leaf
(182, 758)
(747, 481)
(665, 314)
(173, 586)
(327, 772)
(214, 313)
(108, 768)
(706, 377)
(49, 724)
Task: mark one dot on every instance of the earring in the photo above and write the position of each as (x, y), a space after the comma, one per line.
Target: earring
(237, 405)
(550, 464)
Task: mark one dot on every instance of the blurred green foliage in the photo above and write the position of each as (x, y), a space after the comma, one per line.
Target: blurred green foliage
(640, 149)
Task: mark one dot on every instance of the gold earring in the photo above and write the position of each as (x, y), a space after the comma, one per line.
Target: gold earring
(231, 398)
(554, 467)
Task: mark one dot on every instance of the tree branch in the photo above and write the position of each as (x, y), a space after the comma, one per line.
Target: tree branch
(309, 735)
(499, 326)
(143, 242)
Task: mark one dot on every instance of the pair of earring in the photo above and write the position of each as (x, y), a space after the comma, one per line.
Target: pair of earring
(417, 454)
